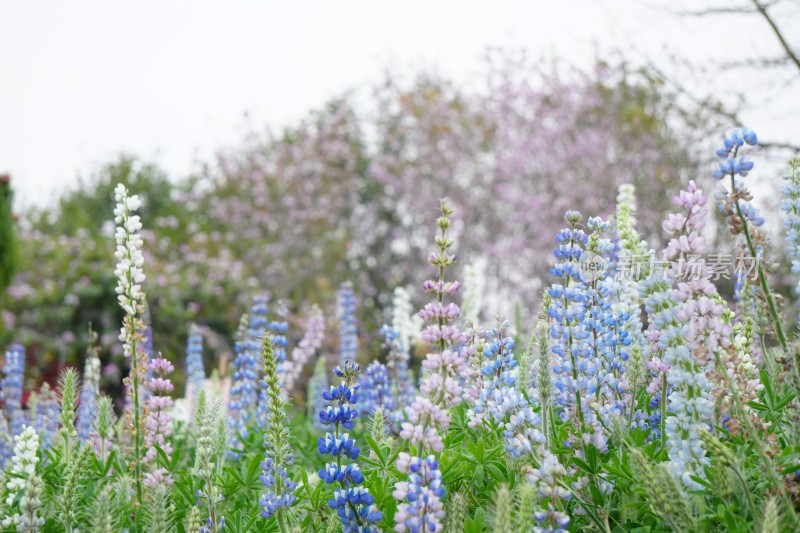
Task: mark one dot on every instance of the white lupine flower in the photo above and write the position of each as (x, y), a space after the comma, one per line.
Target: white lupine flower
(128, 252)
(23, 464)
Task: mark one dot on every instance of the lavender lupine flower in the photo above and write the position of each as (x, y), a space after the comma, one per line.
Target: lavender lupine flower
(158, 424)
(11, 387)
(348, 331)
(317, 385)
(547, 480)
(353, 503)
(278, 455)
(791, 206)
(90, 388)
(195, 368)
(697, 331)
(428, 415)
(312, 341)
(423, 492)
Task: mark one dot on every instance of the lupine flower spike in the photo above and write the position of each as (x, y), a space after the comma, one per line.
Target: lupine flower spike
(278, 457)
(352, 502)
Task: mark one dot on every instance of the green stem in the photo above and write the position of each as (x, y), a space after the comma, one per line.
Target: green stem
(746, 492)
(762, 278)
(137, 437)
(663, 410)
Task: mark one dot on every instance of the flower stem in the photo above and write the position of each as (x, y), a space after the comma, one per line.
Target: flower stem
(762, 278)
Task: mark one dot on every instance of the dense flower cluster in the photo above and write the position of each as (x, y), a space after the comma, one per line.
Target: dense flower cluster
(90, 388)
(586, 333)
(352, 503)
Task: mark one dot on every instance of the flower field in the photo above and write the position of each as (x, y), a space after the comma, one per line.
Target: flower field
(636, 397)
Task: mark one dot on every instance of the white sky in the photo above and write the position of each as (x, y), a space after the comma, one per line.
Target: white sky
(170, 81)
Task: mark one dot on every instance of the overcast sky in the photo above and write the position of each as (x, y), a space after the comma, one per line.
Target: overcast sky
(171, 81)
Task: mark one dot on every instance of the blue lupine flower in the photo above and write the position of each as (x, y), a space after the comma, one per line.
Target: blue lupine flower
(589, 336)
(353, 504)
(376, 388)
(791, 206)
(730, 163)
(348, 332)
(89, 390)
(195, 368)
(244, 387)
(11, 388)
(48, 414)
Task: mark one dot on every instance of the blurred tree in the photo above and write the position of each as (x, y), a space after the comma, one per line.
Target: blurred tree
(349, 196)
(8, 256)
(8, 251)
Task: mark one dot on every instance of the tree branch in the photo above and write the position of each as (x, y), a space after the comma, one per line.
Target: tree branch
(789, 51)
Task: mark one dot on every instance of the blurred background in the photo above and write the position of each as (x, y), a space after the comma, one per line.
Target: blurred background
(286, 148)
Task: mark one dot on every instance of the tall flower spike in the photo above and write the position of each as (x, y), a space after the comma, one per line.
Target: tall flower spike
(130, 277)
(90, 389)
(23, 468)
(278, 456)
(276, 329)
(352, 502)
(195, 367)
(11, 388)
(348, 331)
(690, 339)
(158, 425)
(68, 391)
(429, 415)
(244, 389)
(586, 335)
(209, 495)
(743, 218)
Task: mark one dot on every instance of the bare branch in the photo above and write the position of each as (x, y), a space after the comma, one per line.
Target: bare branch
(789, 51)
